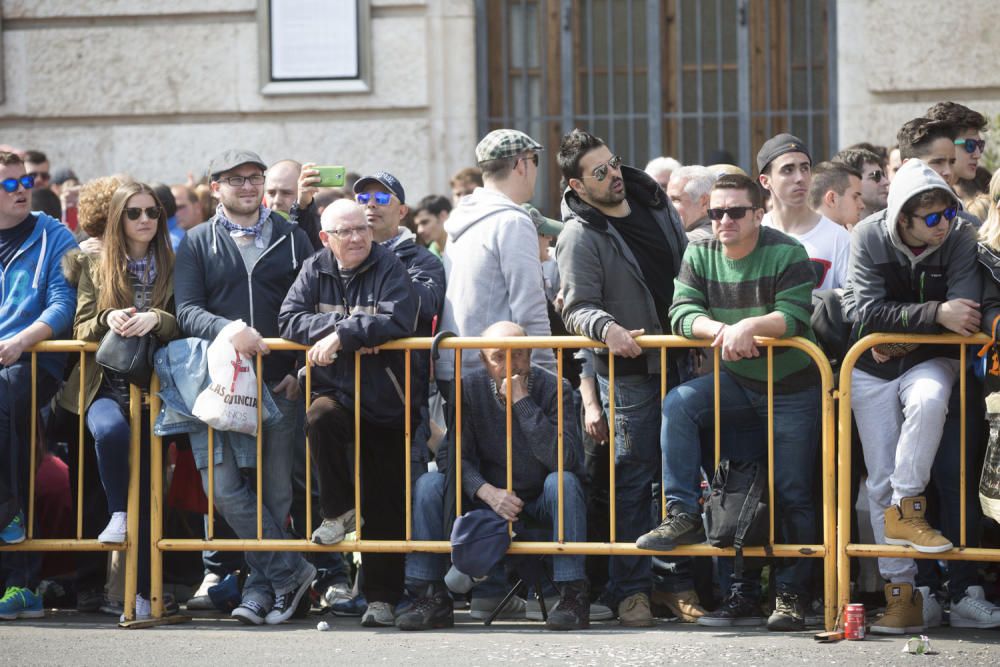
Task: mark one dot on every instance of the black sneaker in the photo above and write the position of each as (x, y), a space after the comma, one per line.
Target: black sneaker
(433, 608)
(285, 604)
(250, 612)
(572, 612)
(789, 614)
(736, 609)
(676, 529)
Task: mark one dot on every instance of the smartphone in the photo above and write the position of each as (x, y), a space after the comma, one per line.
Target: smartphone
(331, 177)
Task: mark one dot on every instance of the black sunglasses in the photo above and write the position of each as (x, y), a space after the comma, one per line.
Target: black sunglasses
(972, 145)
(735, 212)
(11, 184)
(135, 212)
(934, 219)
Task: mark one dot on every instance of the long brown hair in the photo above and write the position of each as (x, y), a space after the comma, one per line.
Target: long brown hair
(113, 281)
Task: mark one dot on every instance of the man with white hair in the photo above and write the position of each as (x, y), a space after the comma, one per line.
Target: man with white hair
(660, 169)
(689, 189)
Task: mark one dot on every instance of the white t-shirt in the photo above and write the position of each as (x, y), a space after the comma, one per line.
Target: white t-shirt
(829, 248)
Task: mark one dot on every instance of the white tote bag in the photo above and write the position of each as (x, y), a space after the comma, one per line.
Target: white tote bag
(229, 403)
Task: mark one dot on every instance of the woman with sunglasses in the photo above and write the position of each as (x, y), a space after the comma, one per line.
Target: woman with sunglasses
(989, 256)
(128, 289)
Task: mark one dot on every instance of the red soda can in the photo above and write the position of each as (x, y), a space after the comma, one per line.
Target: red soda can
(854, 622)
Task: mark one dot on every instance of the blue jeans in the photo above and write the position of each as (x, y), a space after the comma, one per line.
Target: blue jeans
(110, 428)
(637, 428)
(271, 572)
(428, 524)
(689, 408)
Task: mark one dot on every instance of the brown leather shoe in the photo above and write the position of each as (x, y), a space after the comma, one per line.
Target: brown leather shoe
(685, 605)
(633, 611)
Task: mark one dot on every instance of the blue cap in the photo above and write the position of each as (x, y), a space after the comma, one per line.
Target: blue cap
(382, 178)
(479, 540)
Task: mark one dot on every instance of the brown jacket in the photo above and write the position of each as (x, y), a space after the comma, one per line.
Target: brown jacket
(91, 324)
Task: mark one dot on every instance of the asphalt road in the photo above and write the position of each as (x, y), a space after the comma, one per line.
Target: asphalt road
(81, 639)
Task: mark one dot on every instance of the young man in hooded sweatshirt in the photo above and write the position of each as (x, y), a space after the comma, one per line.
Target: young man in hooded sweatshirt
(912, 271)
(36, 303)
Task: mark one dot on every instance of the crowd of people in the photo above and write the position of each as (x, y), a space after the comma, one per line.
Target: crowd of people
(896, 240)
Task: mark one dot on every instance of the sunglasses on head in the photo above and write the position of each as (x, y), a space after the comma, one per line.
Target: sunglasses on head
(11, 184)
(601, 171)
(381, 198)
(972, 145)
(877, 175)
(934, 219)
(134, 212)
(735, 212)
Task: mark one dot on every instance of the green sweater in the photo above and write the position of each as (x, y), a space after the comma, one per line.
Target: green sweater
(775, 276)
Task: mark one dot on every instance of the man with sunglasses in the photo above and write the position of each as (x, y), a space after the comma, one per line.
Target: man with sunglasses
(874, 182)
(36, 304)
(969, 142)
(36, 163)
(747, 281)
(239, 265)
(618, 254)
(913, 270)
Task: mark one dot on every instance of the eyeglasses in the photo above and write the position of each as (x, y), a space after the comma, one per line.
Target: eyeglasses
(11, 184)
(972, 145)
(734, 212)
(876, 175)
(600, 172)
(381, 198)
(533, 157)
(934, 219)
(40, 175)
(347, 232)
(238, 181)
(135, 212)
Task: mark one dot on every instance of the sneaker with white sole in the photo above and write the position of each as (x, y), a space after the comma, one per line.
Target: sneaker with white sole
(378, 615)
(115, 531)
(974, 610)
(335, 594)
(20, 602)
(250, 612)
(481, 608)
(13, 532)
(533, 609)
(143, 610)
(285, 603)
(932, 608)
(201, 601)
(333, 531)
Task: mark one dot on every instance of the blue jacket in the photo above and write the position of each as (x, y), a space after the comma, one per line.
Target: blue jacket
(375, 306)
(33, 288)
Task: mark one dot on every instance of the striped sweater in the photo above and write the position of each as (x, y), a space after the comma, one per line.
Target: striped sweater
(776, 276)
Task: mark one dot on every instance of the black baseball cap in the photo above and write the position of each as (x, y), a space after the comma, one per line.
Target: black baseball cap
(778, 145)
(385, 179)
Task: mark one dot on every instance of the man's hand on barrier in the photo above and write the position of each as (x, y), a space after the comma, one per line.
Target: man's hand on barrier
(960, 315)
(504, 503)
(249, 342)
(620, 340)
(11, 350)
(736, 341)
(289, 387)
(324, 352)
(594, 422)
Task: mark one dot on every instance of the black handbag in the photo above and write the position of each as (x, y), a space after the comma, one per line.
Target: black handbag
(736, 513)
(131, 357)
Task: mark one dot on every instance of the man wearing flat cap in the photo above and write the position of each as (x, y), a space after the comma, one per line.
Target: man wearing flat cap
(238, 266)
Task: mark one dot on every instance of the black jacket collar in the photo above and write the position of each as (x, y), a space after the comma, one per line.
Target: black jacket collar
(639, 186)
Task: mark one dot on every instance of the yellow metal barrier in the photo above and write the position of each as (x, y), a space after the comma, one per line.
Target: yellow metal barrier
(845, 549)
(825, 550)
(131, 546)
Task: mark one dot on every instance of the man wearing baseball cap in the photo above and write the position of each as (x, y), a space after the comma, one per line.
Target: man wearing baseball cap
(239, 265)
(496, 274)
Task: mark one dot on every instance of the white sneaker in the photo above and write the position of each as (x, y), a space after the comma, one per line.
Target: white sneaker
(378, 615)
(974, 610)
(201, 600)
(115, 531)
(143, 610)
(333, 531)
(932, 608)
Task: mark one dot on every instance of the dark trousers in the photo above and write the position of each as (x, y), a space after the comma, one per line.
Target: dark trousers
(331, 442)
(18, 568)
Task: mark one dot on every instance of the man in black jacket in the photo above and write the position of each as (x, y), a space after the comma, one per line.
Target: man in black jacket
(355, 296)
(239, 266)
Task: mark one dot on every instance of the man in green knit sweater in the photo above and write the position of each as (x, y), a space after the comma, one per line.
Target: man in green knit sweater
(744, 282)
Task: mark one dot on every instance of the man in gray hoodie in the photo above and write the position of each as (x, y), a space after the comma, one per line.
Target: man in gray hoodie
(495, 273)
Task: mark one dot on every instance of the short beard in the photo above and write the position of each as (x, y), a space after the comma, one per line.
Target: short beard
(612, 198)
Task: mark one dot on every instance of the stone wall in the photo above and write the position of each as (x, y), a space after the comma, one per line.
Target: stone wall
(155, 87)
(898, 57)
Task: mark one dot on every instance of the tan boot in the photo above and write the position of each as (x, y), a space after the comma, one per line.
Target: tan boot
(685, 605)
(904, 611)
(633, 611)
(905, 525)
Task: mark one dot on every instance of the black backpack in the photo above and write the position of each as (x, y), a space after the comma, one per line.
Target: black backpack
(736, 513)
